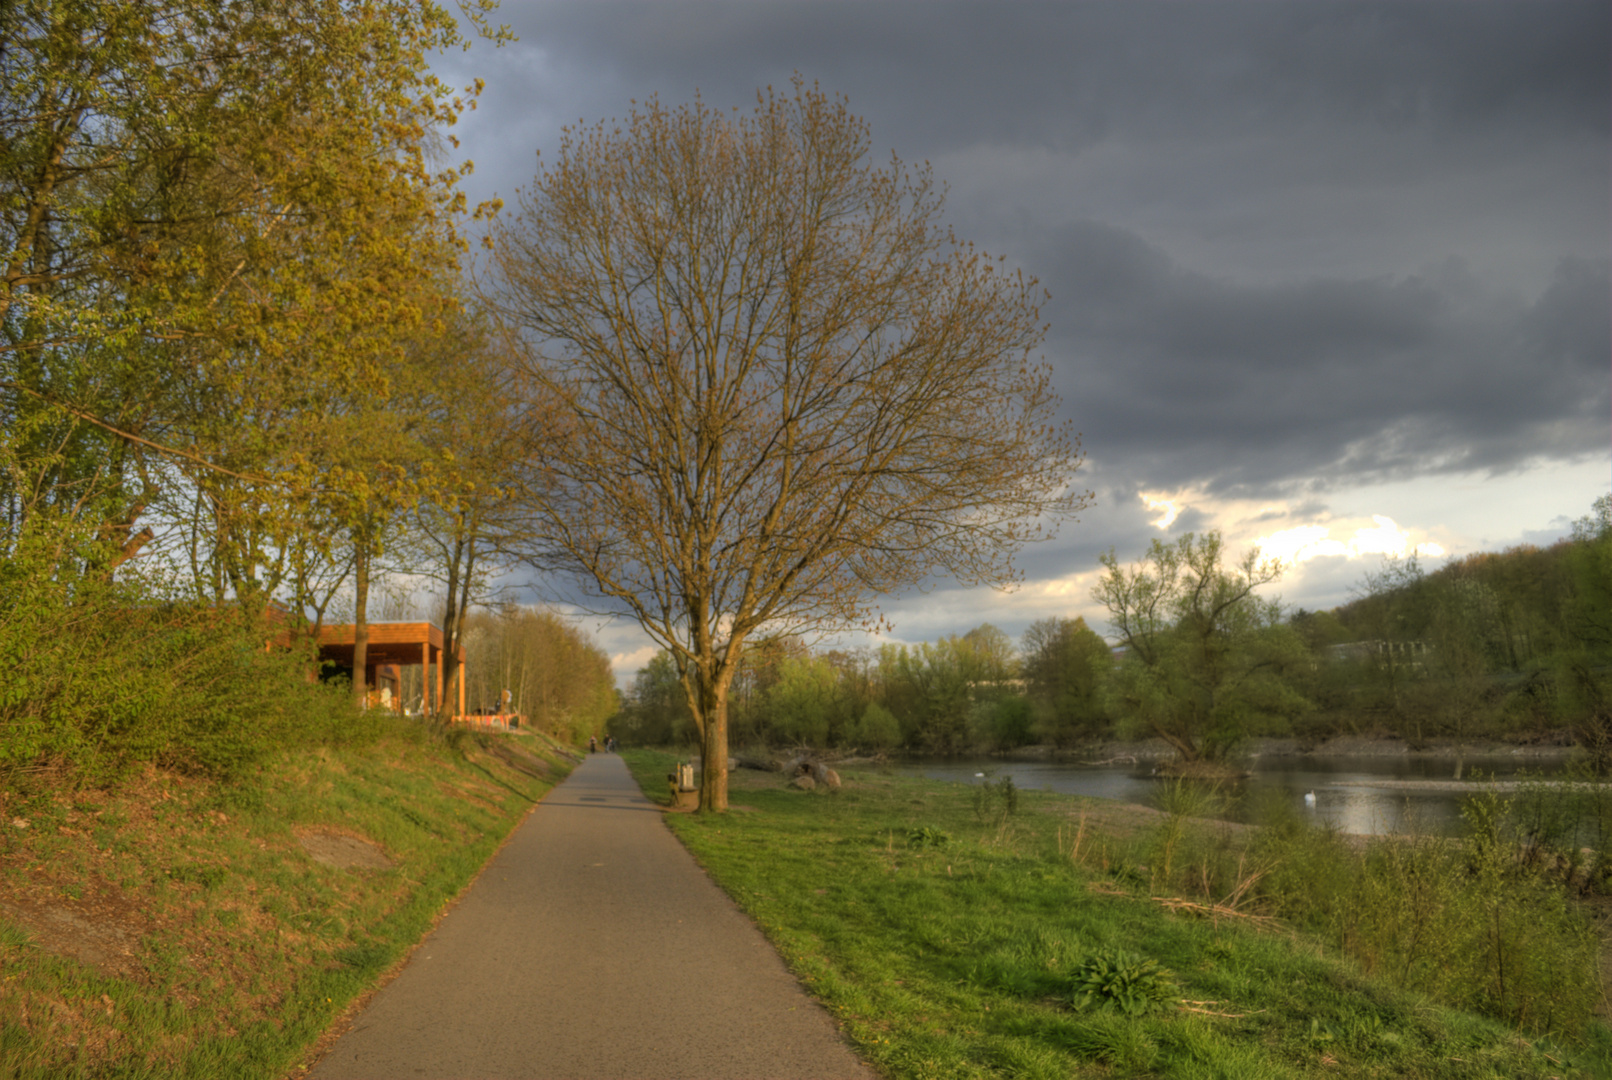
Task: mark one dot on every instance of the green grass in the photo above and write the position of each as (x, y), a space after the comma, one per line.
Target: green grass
(951, 939)
(177, 927)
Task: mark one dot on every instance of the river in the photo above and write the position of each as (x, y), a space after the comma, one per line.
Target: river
(1363, 795)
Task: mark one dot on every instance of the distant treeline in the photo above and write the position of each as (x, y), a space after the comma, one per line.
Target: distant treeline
(1511, 645)
(555, 674)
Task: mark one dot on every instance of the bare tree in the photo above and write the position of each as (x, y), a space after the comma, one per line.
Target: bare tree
(766, 387)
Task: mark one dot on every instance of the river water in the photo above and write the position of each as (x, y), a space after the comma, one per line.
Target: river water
(1363, 795)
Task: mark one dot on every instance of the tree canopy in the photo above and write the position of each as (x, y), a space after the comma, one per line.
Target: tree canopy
(216, 219)
(766, 386)
(1204, 652)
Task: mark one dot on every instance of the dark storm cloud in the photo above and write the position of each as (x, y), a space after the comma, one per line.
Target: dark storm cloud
(1248, 387)
(1063, 74)
(1290, 246)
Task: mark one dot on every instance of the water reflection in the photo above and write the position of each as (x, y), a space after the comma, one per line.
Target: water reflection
(1350, 793)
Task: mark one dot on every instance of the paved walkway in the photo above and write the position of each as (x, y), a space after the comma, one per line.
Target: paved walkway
(593, 946)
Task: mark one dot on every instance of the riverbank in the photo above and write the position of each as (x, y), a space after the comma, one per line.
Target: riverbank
(1553, 751)
(180, 927)
(952, 930)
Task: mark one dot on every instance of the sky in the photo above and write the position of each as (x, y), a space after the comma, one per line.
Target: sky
(1328, 277)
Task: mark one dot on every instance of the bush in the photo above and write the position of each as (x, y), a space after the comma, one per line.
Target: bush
(102, 673)
(878, 728)
(1468, 923)
(1563, 827)
(1481, 924)
(996, 799)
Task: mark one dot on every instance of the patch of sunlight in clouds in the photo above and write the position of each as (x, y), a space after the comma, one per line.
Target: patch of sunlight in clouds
(1081, 584)
(1382, 537)
(1292, 539)
(1169, 507)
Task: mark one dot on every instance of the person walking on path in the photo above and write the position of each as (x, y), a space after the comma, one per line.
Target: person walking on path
(511, 984)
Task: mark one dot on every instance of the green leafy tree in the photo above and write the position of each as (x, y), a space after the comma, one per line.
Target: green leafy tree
(1391, 622)
(1065, 663)
(209, 213)
(927, 687)
(1206, 656)
(217, 218)
(1001, 721)
(1586, 687)
(557, 676)
(807, 702)
(656, 712)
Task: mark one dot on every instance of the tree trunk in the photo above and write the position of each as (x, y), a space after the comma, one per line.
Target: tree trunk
(1183, 745)
(714, 750)
(450, 611)
(465, 551)
(461, 563)
(361, 625)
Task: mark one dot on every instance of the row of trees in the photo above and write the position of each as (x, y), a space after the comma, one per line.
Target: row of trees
(241, 374)
(972, 691)
(1512, 644)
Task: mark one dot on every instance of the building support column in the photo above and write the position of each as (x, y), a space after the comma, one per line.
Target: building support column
(425, 679)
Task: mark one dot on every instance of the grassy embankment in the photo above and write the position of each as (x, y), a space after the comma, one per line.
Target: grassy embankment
(951, 937)
(182, 927)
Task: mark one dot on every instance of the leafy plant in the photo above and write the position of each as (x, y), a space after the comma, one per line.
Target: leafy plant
(928, 836)
(1124, 981)
(996, 799)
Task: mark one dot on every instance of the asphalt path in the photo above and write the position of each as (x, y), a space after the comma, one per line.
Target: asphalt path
(593, 946)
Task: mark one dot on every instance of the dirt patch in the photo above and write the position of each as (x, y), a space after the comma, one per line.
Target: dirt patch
(342, 850)
(92, 933)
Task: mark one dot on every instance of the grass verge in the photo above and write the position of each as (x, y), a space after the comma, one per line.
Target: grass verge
(953, 938)
(184, 927)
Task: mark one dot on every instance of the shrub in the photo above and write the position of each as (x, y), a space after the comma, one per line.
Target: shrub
(1469, 923)
(996, 799)
(102, 673)
(878, 728)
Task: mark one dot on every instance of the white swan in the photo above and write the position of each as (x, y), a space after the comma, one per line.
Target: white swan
(1309, 798)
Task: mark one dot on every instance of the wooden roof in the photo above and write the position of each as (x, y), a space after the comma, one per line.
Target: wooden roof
(389, 642)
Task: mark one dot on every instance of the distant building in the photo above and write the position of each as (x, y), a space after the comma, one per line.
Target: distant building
(1384, 654)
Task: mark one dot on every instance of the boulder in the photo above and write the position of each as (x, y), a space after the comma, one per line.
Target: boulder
(804, 783)
(824, 775)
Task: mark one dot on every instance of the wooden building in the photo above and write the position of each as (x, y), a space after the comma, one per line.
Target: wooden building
(392, 647)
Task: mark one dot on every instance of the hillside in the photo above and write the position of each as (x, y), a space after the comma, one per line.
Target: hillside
(180, 926)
